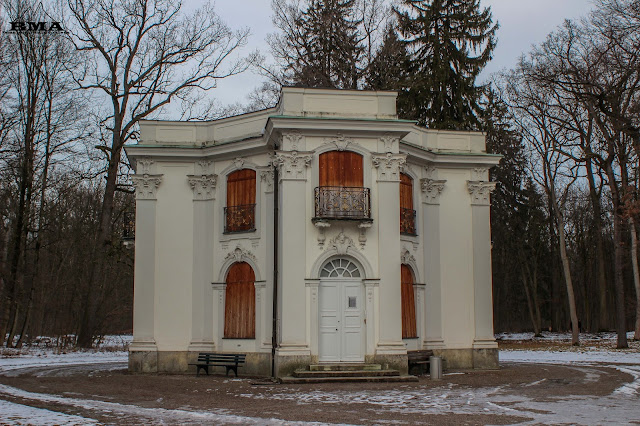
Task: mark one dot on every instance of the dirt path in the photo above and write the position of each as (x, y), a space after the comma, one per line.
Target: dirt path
(515, 393)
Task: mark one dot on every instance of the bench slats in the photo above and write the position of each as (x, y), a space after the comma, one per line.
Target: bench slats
(209, 359)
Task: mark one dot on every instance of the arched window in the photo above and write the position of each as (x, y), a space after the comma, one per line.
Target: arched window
(407, 213)
(241, 201)
(340, 268)
(341, 194)
(408, 304)
(240, 302)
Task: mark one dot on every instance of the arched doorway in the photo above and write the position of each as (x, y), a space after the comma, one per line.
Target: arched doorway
(409, 328)
(341, 312)
(240, 302)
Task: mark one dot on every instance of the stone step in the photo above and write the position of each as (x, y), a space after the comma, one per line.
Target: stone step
(345, 367)
(348, 373)
(360, 379)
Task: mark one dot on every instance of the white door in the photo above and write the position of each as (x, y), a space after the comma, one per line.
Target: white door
(341, 303)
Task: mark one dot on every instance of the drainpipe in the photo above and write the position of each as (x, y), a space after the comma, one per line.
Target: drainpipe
(274, 324)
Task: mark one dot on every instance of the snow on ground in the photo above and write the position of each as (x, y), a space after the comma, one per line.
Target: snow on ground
(156, 415)
(18, 414)
(48, 359)
(571, 356)
(560, 337)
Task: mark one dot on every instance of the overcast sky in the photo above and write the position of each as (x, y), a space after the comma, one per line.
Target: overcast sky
(523, 23)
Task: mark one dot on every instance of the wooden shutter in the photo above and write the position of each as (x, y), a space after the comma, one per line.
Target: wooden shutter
(408, 304)
(406, 192)
(341, 168)
(240, 302)
(241, 188)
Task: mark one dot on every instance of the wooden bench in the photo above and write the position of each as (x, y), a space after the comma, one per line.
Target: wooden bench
(419, 358)
(208, 359)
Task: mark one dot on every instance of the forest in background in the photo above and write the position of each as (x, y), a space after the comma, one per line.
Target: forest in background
(566, 119)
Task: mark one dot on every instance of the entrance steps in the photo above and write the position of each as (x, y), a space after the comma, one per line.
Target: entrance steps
(345, 373)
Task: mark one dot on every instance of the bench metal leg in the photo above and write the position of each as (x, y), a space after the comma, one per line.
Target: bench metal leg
(232, 368)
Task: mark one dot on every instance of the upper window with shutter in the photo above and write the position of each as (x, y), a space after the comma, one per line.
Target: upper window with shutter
(241, 201)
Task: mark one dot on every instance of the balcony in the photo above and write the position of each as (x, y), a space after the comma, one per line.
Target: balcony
(240, 218)
(339, 202)
(407, 222)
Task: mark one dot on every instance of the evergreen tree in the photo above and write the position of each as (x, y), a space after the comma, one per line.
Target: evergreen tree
(450, 42)
(324, 49)
(388, 69)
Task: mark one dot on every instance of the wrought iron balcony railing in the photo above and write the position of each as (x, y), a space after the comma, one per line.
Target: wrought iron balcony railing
(339, 202)
(407, 222)
(240, 218)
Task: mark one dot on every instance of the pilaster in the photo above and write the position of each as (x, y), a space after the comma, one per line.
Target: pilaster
(203, 187)
(146, 186)
(388, 190)
(292, 293)
(432, 319)
(483, 304)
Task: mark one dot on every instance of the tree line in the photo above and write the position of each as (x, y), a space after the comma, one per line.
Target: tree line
(564, 215)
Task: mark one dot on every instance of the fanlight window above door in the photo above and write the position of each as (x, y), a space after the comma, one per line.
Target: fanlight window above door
(340, 268)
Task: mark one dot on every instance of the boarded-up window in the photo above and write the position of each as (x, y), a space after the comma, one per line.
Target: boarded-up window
(341, 168)
(241, 201)
(240, 303)
(407, 214)
(408, 304)
(406, 191)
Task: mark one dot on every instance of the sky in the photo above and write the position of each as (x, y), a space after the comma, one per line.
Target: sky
(523, 23)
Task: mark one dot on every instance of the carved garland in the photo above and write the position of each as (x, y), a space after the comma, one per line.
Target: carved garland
(146, 186)
(480, 192)
(432, 189)
(388, 166)
(292, 165)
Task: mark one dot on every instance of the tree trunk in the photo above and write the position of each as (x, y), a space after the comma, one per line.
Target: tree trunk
(603, 318)
(636, 274)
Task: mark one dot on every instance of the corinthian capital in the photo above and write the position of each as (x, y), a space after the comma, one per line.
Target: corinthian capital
(432, 188)
(388, 166)
(292, 164)
(480, 192)
(203, 186)
(146, 186)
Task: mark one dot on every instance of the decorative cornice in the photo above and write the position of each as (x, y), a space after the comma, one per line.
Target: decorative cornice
(340, 142)
(389, 142)
(240, 255)
(203, 186)
(146, 186)
(341, 243)
(388, 166)
(292, 165)
(480, 192)
(431, 189)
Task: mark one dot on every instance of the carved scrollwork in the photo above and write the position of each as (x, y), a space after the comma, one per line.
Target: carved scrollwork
(388, 166)
(292, 165)
(266, 177)
(340, 142)
(240, 254)
(389, 142)
(432, 189)
(341, 243)
(480, 192)
(146, 186)
(203, 186)
(292, 141)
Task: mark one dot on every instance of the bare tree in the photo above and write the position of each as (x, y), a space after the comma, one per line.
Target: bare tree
(142, 55)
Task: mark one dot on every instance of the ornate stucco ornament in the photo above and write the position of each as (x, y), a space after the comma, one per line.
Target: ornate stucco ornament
(292, 165)
(432, 188)
(389, 142)
(341, 243)
(388, 165)
(144, 165)
(203, 186)
(340, 142)
(266, 177)
(240, 254)
(292, 141)
(146, 186)
(480, 192)
(406, 257)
